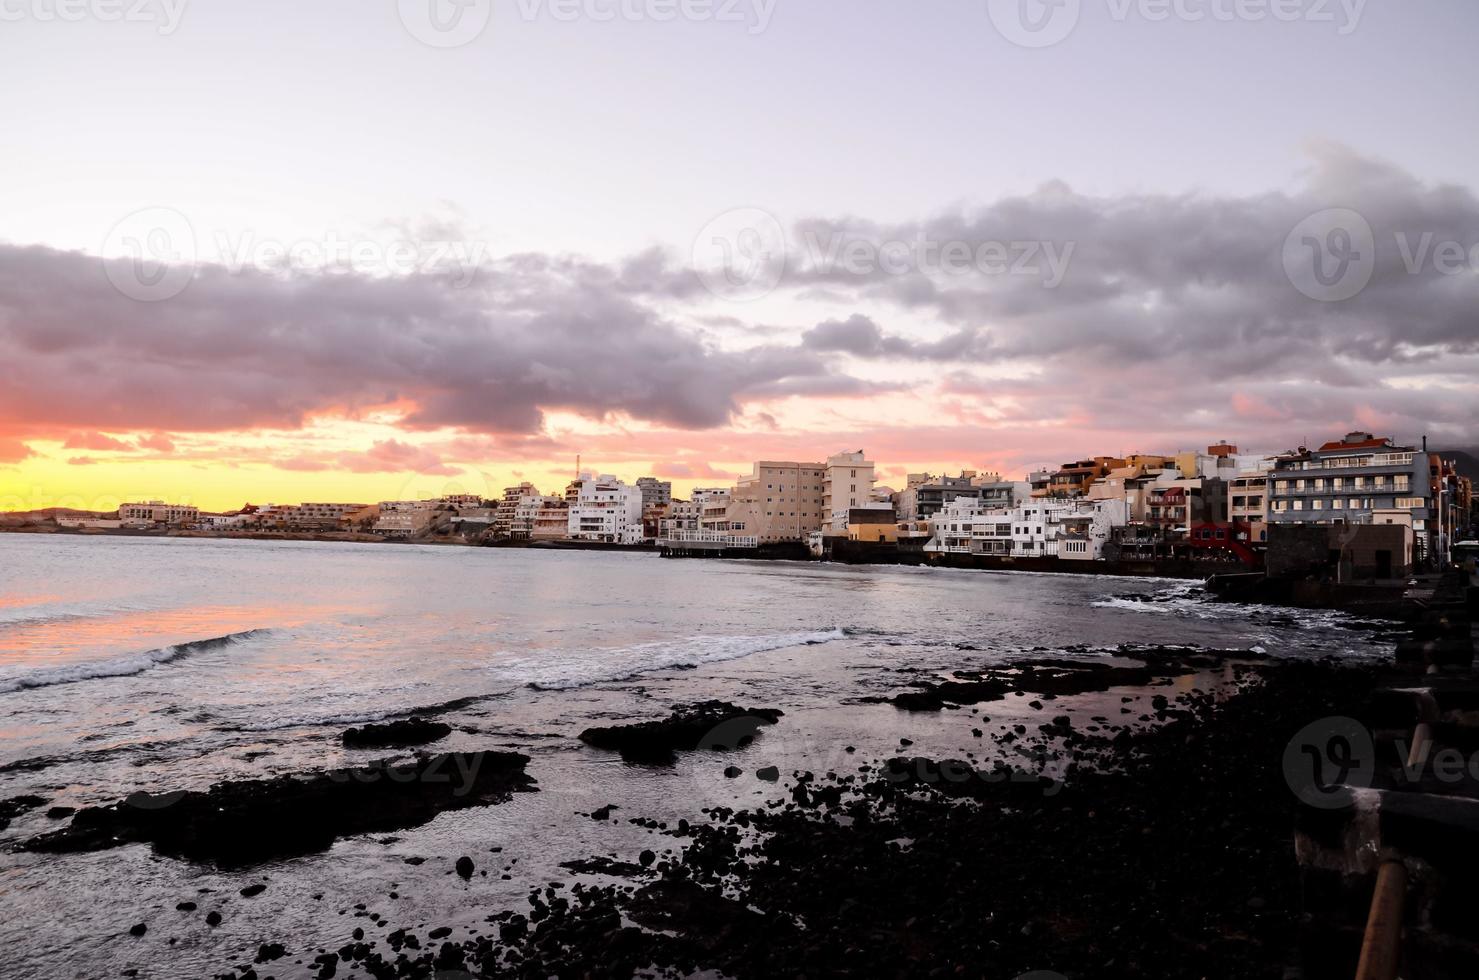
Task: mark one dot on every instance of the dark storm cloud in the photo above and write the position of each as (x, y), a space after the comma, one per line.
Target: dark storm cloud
(255, 349)
(1166, 278)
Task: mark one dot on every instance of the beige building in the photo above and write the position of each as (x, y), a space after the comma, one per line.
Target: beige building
(551, 520)
(158, 512)
(847, 484)
(508, 508)
(778, 501)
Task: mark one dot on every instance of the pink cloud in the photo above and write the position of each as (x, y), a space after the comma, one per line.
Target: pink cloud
(159, 442)
(394, 456)
(692, 470)
(13, 451)
(82, 461)
(97, 442)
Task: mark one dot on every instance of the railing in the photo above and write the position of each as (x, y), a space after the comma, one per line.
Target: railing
(1348, 462)
(680, 538)
(1291, 491)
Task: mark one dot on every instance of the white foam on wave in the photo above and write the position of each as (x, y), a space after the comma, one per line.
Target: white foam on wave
(125, 666)
(1135, 605)
(559, 671)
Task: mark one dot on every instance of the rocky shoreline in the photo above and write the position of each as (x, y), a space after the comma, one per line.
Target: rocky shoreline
(1160, 846)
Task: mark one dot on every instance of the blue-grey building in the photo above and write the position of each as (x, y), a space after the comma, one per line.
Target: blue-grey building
(1357, 480)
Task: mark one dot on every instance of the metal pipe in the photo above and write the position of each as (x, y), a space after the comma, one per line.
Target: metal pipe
(1381, 946)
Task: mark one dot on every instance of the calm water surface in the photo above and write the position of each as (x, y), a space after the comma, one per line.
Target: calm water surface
(157, 664)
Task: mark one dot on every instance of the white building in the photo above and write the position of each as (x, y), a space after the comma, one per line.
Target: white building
(1034, 528)
(222, 522)
(525, 514)
(606, 509)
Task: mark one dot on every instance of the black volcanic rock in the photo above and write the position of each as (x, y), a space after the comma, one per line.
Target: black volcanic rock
(711, 725)
(238, 824)
(15, 806)
(396, 734)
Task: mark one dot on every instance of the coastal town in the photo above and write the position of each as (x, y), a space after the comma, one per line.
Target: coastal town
(1383, 510)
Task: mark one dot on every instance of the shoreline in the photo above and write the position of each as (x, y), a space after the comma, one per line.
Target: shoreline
(646, 881)
(912, 866)
(862, 557)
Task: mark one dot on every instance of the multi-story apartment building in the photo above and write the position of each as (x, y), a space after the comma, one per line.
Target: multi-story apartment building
(606, 509)
(526, 513)
(778, 501)
(1074, 479)
(1359, 479)
(1177, 504)
(551, 520)
(847, 484)
(1063, 528)
(508, 506)
(158, 512)
(714, 510)
(655, 492)
(683, 516)
(405, 518)
(925, 494)
(324, 517)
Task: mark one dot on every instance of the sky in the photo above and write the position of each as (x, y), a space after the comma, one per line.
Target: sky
(354, 250)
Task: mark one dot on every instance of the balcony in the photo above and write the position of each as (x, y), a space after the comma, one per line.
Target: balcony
(1350, 462)
(1370, 488)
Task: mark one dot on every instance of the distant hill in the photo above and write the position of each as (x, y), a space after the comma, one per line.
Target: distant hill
(1467, 459)
(52, 513)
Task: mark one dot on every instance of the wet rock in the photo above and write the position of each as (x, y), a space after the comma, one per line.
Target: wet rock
(16, 805)
(603, 866)
(604, 813)
(710, 725)
(186, 907)
(252, 891)
(60, 812)
(138, 930)
(769, 773)
(213, 919)
(464, 867)
(238, 824)
(396, 734)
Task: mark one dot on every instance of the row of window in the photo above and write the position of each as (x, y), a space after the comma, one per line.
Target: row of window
(1354, 503)
(1401, 481)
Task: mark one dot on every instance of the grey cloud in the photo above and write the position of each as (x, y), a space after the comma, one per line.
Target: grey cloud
(532, 334)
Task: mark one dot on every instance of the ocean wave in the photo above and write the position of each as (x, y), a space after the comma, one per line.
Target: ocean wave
(621, 663)
(24, 615)
(367, 717)
(125, 666)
